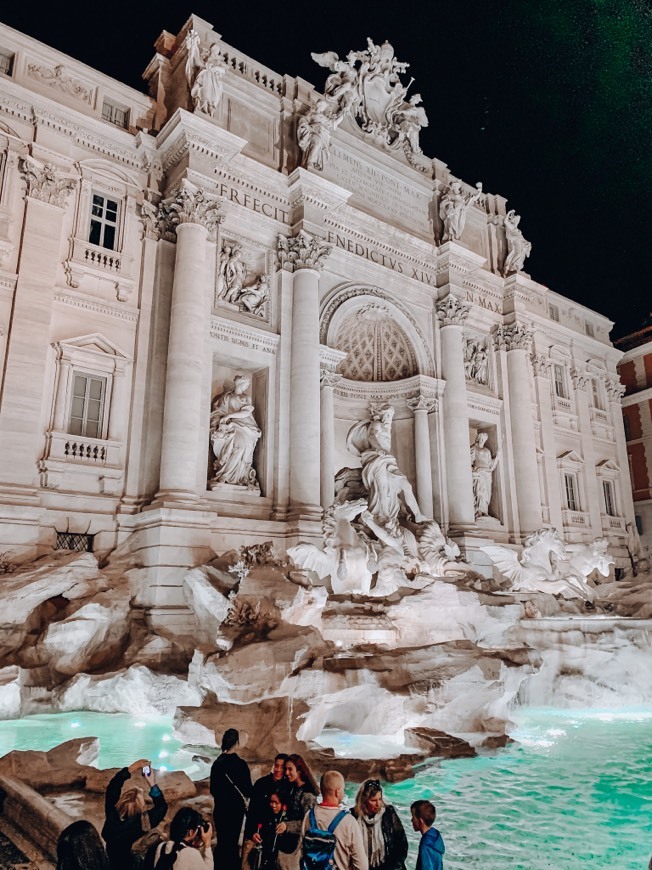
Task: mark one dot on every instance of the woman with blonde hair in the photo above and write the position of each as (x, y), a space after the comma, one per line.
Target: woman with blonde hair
(383, 834)
(127, 815)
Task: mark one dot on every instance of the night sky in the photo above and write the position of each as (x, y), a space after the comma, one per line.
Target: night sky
(547, 102)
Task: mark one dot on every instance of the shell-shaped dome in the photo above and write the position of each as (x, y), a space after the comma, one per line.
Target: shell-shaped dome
(377, 347)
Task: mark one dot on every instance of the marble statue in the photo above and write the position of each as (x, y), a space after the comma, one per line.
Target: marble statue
(454, 207)
(518, 248)
(367, 87)
(204, 72)
(388, 488)
(231, 272)
(476, 361)
(482, 465)
(549, 565)
(254, 297)
(314, 134)
(234, 434)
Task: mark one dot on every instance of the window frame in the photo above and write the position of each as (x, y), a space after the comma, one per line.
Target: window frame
(553, 312)
(112, 106)
(8, 68)
(100, 423)
(103, 221)
(609, 498)
(572, 493)
(559, 384)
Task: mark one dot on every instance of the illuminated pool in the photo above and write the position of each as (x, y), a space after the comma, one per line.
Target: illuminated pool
(575, 791)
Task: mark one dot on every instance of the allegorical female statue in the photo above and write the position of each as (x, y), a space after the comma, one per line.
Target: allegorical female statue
(483, 465)
(234, 434)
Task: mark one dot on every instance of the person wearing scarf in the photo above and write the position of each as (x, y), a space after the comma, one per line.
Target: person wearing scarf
(382, 831)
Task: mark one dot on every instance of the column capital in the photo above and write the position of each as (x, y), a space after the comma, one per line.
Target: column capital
(153, 218)
(580, 378)
(302, 251)
(514, 336)
(45, 182)
(189, 205)
(452, 311)
(541, 365)
(423, 402)
(329, 378)
(615, 390)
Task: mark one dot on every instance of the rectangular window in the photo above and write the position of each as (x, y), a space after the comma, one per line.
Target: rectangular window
(609, 504)
(76, 542)
(87, 406)
(553, 311)
(597, 394)
(115, 114)
(560, 381)
(104, 222)
(570, 485)
(588, 328)
(6, 62)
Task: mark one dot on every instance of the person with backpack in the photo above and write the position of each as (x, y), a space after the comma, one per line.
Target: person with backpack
(330, 836)
(189, 846)
(127, 816)
(382, 830)
(300, 796)
(230, 786)
(431, 847)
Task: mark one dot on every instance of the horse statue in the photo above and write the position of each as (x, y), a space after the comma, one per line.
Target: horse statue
(547, 564)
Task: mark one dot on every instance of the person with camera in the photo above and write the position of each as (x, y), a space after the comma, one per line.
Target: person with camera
(127, 816)
(189, 846)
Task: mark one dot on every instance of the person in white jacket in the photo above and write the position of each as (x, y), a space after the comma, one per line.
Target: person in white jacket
(189, 846)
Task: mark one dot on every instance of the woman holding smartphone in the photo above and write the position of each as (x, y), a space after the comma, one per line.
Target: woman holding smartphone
(127, 816)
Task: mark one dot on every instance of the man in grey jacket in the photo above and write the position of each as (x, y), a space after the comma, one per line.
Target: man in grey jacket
(350, 853)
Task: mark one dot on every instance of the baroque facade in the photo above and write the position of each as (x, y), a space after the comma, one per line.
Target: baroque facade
(202, 290)
(635, 369)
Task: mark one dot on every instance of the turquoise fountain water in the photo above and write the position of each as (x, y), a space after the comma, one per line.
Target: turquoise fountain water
(573, 791)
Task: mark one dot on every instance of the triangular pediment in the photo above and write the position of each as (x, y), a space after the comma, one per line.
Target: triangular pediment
(571, 457)
(95, 342)
(608, 465)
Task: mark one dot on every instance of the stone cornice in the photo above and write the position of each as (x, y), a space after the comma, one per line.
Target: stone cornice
(416, 387)
(482, 402)
(90, 303)
(453, 257)
(306, 187)
(188, 135)
(330, 357)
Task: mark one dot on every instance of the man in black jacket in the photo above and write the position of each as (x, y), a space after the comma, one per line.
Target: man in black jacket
(127, 817)
(259, 805)
(231, 789)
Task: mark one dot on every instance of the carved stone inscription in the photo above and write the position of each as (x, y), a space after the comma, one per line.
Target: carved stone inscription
(379, 192)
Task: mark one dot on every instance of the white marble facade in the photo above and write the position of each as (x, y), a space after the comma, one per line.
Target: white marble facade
(242, 234)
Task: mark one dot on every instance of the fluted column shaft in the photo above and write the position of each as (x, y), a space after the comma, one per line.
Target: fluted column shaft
(516, 340)
(452, 314)
(327, 412)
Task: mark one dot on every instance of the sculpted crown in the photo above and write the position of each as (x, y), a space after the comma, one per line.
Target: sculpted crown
(513, 337)
(451, 311)
(580, 378)
(541, 365)
(45, 182)
(615, 390)
(303, 251)
(190, 205)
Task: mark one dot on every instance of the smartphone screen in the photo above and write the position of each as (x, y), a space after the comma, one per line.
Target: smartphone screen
(147, 770)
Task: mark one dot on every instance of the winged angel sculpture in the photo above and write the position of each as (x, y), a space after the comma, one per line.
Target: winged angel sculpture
(549, 565)
(366, 85)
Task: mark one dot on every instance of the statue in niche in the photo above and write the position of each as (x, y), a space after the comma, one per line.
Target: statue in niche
(254, 297)
(204, 72)
(453, 209)
(387, 487)
(518, 248)
(314, 134)
(482, 465)
(230, 272)
(234, 434)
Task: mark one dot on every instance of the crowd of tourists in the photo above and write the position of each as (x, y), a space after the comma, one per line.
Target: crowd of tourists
(283, 821)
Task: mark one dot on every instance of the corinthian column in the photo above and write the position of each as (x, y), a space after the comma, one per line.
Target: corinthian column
(329, 380)
(452, 313)
(421, 405)
(304, 255)
(516, 340)
(191, 217)
(615, 391)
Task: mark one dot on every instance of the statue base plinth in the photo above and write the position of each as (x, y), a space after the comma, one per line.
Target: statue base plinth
(233, 490)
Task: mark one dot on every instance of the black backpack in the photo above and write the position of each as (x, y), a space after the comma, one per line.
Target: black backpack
(319, 845)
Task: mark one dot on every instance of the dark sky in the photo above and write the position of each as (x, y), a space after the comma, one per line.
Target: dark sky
(547, 102)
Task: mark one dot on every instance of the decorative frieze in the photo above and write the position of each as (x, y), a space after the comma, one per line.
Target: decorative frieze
(303, 251)
(190, 205)
(233, 333)
(60, 79)
(452, 311)
(46, 182)
(514, 336)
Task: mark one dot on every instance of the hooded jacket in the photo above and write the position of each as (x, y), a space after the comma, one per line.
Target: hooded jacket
(431, 851)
